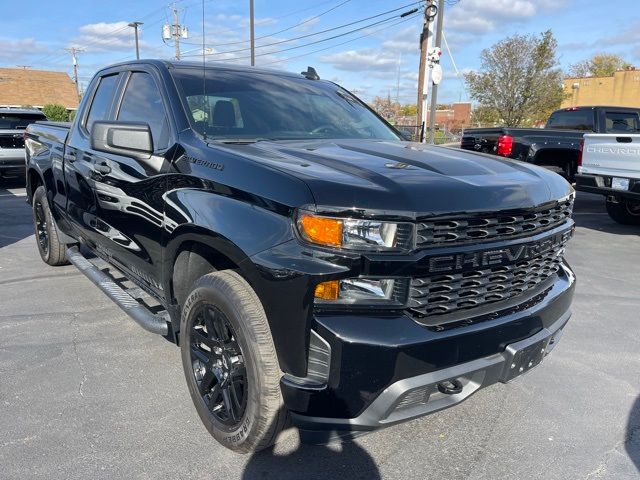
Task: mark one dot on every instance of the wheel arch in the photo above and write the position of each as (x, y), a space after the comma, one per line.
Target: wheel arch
(193, 251)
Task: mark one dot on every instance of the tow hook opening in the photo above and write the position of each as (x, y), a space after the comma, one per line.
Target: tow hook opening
(450, 387)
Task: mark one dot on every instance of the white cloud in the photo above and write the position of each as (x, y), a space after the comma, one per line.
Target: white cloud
(472, 18)
(358, 60)
(104, 37)
(17, 50)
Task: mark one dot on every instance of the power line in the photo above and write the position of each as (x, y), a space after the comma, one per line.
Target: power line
(323, 31)
(404, 20)
(275, 33)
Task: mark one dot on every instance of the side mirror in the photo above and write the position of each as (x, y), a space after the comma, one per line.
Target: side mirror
(122, 138)
(408, 136)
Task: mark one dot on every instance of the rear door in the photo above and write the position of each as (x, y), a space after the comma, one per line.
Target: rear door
(129, 192)
(616, 155)
(78, 158)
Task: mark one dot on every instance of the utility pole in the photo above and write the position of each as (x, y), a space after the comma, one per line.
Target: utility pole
(423, 73)
(175, 32)
(434, 88)
(135, 26)
(253, 44)
(74, 55)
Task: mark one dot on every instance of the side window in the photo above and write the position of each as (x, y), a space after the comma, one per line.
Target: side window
(142, 103)
(99, 109)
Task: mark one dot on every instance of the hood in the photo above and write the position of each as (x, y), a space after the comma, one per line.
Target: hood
(408, 177)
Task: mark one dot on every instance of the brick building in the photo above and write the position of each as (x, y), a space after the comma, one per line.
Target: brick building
(620, 90)
(37, 88)
(457, 116)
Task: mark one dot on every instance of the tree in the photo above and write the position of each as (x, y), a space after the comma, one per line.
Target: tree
(600, 65)
(519, 79)
(409, 110)
(484, 117)
(55, 112)
(385, 107)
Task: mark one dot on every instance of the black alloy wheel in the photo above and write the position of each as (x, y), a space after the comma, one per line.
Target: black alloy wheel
(219, 366)
(41, 226)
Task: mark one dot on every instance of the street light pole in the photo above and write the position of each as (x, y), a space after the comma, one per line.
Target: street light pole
(135, 27)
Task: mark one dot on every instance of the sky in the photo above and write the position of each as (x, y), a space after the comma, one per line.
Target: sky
(377, 55)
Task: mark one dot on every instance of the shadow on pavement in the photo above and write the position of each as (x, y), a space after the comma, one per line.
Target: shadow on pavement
(15, 214)
(346, 460)
(632, 442)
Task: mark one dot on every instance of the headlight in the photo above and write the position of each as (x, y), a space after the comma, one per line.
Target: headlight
(355, 234)
(380, 292)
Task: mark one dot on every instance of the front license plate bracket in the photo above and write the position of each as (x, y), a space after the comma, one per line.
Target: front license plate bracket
(521, 360)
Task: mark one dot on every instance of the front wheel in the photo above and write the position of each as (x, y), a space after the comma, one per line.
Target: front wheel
(230, 363)
(625, 212)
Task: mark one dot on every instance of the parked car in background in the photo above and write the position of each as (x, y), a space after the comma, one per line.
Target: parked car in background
(557, 145)
(13, 123)
(610, 166)
(311, 264)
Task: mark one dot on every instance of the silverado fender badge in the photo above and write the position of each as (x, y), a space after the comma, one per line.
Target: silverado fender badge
(206, 163)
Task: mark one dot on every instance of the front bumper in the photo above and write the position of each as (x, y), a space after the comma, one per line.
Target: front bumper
(601, 184)
(386, 370)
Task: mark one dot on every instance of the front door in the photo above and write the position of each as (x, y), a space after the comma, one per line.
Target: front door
(129, 192)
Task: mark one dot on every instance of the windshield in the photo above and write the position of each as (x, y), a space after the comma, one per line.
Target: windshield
(18, 121)
(251, 106)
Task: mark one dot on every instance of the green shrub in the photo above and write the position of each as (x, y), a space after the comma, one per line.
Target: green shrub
(55, 112)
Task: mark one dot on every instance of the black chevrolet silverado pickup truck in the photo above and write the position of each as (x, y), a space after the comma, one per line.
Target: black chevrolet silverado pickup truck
(313, 267)
(557, 146)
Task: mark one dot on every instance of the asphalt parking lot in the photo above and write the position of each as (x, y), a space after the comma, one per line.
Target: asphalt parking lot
(86, 393)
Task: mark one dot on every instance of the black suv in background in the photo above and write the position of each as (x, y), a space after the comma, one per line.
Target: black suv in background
(310, 264)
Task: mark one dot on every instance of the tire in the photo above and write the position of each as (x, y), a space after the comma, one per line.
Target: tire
(625, 212)
(52, 251)
(224, 315)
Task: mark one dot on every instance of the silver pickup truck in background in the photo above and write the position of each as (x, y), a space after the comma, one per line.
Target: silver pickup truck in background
(610, 166)
(13, 123)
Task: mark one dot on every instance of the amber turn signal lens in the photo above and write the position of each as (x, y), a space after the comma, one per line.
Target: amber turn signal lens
(325, 231)
(328, 290)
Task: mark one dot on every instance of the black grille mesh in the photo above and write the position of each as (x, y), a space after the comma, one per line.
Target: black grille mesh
(501, 225)
(447, 293)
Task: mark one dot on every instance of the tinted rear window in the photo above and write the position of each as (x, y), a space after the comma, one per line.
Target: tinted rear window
(571, 120)
(18, 121)
(621, 122)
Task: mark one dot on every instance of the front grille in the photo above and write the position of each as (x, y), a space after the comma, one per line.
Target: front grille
(443, 294)
(11, 141)
(459, 230)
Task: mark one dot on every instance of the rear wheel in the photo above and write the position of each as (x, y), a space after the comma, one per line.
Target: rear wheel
(52, 251)
(230, 363)
(625, 212)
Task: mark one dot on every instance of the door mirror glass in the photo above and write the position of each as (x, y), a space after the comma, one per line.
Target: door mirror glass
(122, 138)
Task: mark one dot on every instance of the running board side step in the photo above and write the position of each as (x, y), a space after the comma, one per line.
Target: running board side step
(156, 323)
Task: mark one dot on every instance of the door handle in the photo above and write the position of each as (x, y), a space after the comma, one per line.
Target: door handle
(102, 169)
(69, 157)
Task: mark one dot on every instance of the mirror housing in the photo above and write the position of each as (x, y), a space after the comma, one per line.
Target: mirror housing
(122, 138)
(406, 135)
